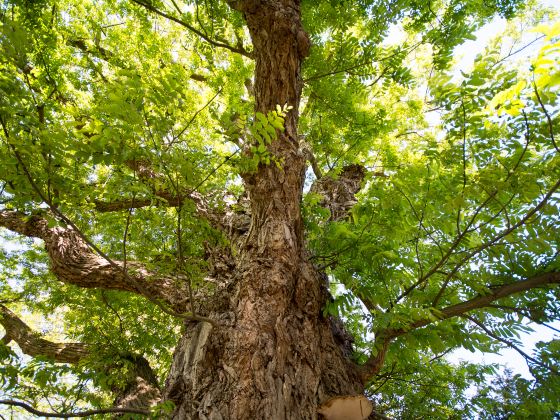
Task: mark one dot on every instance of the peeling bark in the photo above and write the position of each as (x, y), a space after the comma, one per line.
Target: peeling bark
(284, 372)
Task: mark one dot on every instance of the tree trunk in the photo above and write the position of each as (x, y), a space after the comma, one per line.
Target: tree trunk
(273, 356)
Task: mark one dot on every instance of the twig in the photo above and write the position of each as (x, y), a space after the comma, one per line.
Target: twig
(151, 8)
(509, 344)
(176, 137)
(106, 302)
(518, 50)
(87, 413)
(548, 119)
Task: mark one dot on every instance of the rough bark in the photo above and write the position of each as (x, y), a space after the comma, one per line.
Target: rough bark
(73, 262)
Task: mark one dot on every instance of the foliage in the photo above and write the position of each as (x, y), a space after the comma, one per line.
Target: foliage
(512, 396)
(264, 130)
(462, 202)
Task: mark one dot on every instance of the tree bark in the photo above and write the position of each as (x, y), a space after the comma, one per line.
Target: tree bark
(73, 262)
(274, 356)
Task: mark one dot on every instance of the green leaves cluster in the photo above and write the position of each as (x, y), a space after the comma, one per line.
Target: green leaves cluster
(451, 219)
(264, 130)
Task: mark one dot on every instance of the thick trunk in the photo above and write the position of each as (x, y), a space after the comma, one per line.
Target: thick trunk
(275, 356)
(270, 358)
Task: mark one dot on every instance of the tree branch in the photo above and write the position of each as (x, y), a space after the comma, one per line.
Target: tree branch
(168, 198)
(534, 211)
(548, 118)
(238, 49)
(221, 220)
(456, 242)
(73, 250)
(87, 413)
(498, 292)
(73, 262)
(384, 337)
(141, 389)
(171, 200)
(33, 345)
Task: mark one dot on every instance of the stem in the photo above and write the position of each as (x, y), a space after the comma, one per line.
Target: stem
(87, 413)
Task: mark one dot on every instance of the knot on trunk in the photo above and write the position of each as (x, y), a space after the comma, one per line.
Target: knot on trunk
(339, 193)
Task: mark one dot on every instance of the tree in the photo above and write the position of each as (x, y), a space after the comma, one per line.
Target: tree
(156, 153)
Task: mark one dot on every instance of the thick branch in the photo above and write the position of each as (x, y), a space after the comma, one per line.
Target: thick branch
(384, 337)
(73, 262)
(172, 200)
(33, 345)
(226, 221)
(497, 293)
(141, 389)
